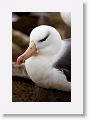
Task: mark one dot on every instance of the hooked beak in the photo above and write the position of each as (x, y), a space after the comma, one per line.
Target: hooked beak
(31, 50)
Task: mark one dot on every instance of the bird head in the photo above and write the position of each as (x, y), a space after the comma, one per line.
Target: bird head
(44, 40)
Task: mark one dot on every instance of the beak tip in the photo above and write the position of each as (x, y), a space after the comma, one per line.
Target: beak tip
(19, 60)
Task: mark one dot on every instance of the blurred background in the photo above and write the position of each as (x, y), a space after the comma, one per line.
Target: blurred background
(23, 89)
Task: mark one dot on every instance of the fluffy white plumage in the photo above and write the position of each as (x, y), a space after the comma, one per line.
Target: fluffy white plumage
(40, 67)
(66, 18)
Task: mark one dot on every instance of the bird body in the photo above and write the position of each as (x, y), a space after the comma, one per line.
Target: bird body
(41, 66)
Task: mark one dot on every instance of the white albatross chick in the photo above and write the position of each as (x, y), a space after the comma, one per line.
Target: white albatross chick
(41, 58)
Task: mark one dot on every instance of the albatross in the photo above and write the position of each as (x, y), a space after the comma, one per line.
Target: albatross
(66, 17)
(48, 59)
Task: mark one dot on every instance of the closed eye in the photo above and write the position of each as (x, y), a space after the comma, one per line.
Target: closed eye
(44, 39)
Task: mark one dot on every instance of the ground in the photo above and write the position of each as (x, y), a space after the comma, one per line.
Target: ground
(26, 91)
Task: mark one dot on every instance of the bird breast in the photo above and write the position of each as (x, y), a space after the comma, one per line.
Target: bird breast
(38, 68)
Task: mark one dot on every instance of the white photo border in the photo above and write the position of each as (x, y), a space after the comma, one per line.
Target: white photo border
(76, 104)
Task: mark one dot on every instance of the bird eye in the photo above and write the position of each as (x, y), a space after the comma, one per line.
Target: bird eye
(44, 39)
